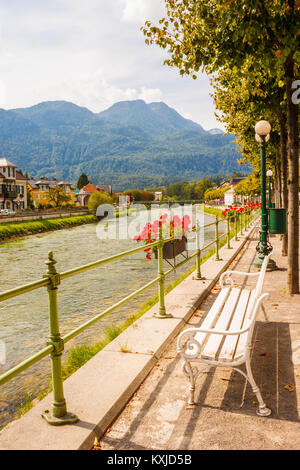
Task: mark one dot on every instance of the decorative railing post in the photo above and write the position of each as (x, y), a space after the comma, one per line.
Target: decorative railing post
(198, 255)
(217, 239)
(161, 283)
(235, 226)
(241, 222)
(58, 415)
(228, 231)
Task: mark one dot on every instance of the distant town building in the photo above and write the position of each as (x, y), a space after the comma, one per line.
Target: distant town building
(13, 187)
(229, 197)
(39, 190)
(158, 196)
(86, 191)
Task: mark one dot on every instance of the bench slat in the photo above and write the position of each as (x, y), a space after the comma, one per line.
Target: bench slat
(230, 343)
(213, 313)
(214, 342)
(243, 338)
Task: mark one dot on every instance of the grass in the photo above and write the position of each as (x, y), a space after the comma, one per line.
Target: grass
(9, 230)
(214, 211)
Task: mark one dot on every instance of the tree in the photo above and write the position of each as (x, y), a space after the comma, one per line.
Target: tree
(207, 35)
(96, 199)
(249, 186)
(57, 196)
(203, 186)
(82, 181)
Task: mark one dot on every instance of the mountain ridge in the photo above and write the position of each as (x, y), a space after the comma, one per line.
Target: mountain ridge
(62, 139)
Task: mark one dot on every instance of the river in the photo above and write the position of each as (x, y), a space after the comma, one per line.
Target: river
(24, 319)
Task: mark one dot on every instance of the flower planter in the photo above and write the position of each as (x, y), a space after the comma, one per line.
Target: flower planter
(173, 249)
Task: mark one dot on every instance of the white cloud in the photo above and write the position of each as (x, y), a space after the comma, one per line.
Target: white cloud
(140, 10)
(91, 53)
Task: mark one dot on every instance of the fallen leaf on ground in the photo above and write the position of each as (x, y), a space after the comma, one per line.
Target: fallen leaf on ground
(265, 354)
(149, 351)
(290, 388)
(190, 407)
(298, 375)
(226, 378)
(169, 357)
(282, 371)
(254, 403)
(96, 445)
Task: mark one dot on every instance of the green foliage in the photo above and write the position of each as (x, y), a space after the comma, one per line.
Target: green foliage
(249, 186)
(139, 195)
(96, 199)
(212, 194)
(58, 196)
(82, 181)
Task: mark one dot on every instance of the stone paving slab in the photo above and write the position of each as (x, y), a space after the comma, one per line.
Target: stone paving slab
(224, 418)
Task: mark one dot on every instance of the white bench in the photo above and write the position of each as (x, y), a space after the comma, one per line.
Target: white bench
(224, 337)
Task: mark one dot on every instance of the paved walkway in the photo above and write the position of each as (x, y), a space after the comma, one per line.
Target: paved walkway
(157, 417)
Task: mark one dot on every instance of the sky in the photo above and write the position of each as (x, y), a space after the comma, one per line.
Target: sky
(91, 52)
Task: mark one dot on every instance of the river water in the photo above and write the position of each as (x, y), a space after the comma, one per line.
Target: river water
(24, 324)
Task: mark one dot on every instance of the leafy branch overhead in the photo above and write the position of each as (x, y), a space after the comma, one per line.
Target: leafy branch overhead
(251, 50)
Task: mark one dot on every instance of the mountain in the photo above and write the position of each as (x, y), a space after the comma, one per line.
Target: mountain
(129, 142)
(215, 131)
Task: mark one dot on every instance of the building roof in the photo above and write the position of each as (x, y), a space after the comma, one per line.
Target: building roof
(35, 183)
(19, 176)
(90, 188)
(5, 162)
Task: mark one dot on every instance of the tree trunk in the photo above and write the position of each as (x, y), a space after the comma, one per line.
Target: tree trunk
(293, 182)
(284, 174)
(277, 180)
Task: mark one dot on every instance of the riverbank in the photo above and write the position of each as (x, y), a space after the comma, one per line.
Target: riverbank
(18, 229)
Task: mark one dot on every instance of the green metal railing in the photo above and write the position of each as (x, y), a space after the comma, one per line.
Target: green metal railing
(52, 280)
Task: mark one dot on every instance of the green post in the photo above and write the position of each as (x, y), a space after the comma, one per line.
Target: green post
(58, 414)
(217, 239)
(198, 255)
(161, 283)
(235, 226)
(263, 247)
(241, 222)
(228, 232)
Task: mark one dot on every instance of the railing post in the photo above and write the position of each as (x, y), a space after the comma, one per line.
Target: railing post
(235, 226)
(217, 239)
(198, 255)
(58, 415)
(228, 231)
(241, 223)
(161, 283)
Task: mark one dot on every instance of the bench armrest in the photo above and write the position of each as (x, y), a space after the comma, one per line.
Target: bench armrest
(224, 332)
(228, 280)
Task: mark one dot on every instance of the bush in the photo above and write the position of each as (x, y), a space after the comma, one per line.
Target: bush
(98, 198)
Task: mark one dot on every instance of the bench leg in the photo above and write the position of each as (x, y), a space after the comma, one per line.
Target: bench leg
(192, 373)
(188, 370)
(262, 410)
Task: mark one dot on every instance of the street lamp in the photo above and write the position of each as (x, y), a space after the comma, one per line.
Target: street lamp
(262, 135)
(269, 175)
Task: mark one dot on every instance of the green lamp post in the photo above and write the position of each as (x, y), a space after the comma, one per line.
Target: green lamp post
(262, 135)
(269, 175)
